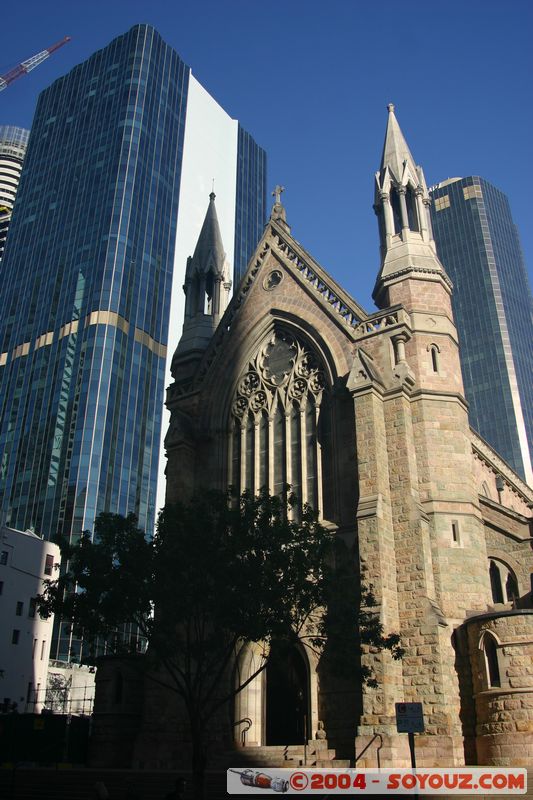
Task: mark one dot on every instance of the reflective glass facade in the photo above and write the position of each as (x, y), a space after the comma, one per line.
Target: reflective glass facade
(250, 207)
(85, 290)
(478, 243)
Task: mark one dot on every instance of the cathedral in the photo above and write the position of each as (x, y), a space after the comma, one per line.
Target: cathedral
(291, 381)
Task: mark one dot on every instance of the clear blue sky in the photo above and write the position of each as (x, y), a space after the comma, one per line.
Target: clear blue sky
(311, 80)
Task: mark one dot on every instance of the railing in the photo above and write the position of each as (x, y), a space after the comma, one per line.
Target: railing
(56, 700)
(377, 323)
(372, 740)
(245, 721)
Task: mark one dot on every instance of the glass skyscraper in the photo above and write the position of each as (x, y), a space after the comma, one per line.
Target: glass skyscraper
(250, 205)
(114, 171)
(478, 243)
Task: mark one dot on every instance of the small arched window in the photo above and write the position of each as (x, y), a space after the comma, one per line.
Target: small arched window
(434, 352)
(503, 582)
(491, 660)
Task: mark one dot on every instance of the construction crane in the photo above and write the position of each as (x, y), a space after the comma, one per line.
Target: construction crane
(26, 66)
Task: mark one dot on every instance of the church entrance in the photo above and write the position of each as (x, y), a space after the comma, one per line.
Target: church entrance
(287, 697)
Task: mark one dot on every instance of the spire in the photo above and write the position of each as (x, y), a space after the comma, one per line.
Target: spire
(209, 251)
(402, 204)
(207, 287)
(396, 154)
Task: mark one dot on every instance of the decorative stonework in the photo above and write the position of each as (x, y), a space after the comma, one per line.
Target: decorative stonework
(272, 280)
(282, 371)
(377, 323)
(484, 453)
(276, 414)
(321, 286)
(364, 372)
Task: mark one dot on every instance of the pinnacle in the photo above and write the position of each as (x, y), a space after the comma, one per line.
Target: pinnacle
(395, 150)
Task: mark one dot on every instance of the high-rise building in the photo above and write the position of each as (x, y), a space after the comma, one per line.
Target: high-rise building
(479, 245)
(122, 156)
(13, 142)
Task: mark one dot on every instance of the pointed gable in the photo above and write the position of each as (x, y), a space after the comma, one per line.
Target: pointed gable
(283, 278)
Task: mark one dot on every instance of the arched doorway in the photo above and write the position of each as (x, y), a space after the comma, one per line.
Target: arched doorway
(287, 696)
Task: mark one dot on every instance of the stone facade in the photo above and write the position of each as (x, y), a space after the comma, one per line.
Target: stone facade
(503, 695)
(364, 414)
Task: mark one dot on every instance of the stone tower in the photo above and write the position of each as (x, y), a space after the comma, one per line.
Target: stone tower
(207, 287)
(420, 531)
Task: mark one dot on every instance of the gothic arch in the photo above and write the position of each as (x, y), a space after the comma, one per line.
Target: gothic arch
(485, 633)
(215, 408)
(251, 702)
(279, 418)
(507, 559)
(503, 577)
(490, 645)
(434, 353)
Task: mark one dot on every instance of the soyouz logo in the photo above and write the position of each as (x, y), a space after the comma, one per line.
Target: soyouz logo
(459, 780)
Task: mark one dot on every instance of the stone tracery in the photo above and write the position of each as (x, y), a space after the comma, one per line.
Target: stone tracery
(275, 417)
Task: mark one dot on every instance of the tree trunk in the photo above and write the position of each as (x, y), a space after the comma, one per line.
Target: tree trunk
(199, 760)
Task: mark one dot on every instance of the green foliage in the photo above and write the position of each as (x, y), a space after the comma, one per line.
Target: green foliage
(103, 583)
(221, 570)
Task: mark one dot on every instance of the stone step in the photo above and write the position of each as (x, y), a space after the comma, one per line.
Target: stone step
(262, 763)
(275, 748)
(313, 746)
(335, 763)
(317, 753)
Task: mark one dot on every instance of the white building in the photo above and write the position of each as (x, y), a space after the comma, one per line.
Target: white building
(70, 688)
(25, 562)
(13, 142)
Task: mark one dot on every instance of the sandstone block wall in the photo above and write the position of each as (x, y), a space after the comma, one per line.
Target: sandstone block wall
(504, 713)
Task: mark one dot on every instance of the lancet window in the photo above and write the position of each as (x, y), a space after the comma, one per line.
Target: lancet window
(491, 656)
(412, 211)
(503, 583)
(280, 422)
(396, 210)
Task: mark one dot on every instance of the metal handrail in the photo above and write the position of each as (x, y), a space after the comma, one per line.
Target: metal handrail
(245, 721)
(373, 739)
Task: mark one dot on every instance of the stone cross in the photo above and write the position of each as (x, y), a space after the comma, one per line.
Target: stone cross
(277, 193)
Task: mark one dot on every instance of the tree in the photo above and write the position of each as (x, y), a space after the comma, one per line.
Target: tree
(58, 693)
(220, 571)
